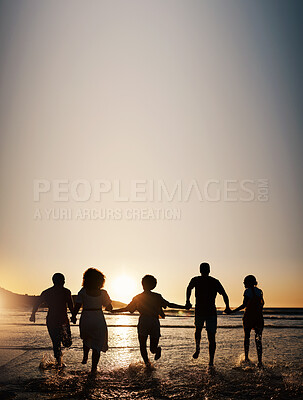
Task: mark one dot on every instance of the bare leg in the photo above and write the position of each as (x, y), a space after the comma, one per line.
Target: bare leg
(95, 360)
(59, 361)
(143, 350)
(198, 340)
(55, 335)
(246, 343)
(154, 348)
(85, 354)
(258, 339)
(211, 346)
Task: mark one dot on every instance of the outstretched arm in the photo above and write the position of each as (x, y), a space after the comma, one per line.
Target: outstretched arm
(117, 310)
(242, 306)
(109, 307)
(131, 307)
(173, 305)
(36, 305)
(226, 301)
(189, 289)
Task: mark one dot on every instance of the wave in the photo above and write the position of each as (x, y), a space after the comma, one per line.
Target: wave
(285, 318)
(238, 326)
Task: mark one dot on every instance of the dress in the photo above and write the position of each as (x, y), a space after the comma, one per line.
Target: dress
(93, 328)
(253, 317)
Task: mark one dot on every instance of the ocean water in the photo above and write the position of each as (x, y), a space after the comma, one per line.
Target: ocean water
(25, 346)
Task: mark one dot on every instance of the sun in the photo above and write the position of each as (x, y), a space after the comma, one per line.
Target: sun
(123, 288)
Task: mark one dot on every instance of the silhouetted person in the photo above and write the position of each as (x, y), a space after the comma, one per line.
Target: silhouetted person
(93, 328)
(206, 289)
(253, 317)
(150, 306)
(56, 298)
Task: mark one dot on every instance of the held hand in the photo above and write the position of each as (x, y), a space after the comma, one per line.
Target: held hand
(188, 305)
(32, 318)
(227, 311)
(73, 319)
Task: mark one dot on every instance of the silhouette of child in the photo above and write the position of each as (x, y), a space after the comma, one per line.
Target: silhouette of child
(150, 306)
(253, 318)
(56, 298)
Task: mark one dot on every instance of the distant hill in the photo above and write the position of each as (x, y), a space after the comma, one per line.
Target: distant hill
(13, 300)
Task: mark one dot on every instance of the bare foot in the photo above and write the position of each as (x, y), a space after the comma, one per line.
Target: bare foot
(247, 362)
(196, 354)
(211, 369)
(149, 366)
(59, 363)
(158, 353)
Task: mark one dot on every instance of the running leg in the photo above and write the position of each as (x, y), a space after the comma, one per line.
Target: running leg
(211, 346)
(246, 343)
(154, 348)
(95, 360)
(143, 350)
(258, 339)
(85, 354)
(55, 335)
(66, 337)
(198, 340)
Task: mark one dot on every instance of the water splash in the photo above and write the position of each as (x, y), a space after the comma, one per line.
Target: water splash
(48, 362)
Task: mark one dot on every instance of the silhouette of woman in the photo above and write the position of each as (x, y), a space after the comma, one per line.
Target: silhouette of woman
(93, 328)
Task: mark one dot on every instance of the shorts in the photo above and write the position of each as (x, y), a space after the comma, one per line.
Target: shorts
(210, 322)
(60, 334)
(256, 323)
(149, 326)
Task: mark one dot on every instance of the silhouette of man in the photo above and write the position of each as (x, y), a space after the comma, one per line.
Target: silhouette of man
(206, 289)
(56, 298)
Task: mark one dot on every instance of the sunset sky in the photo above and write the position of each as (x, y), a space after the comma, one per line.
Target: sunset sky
(163, 90)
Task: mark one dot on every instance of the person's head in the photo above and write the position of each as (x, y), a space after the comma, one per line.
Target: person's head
(149, 282)
(250, 281)
(93, 279)
(204, 269)
(58, 279)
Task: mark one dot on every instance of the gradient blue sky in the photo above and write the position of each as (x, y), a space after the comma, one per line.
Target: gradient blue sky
(153, 90)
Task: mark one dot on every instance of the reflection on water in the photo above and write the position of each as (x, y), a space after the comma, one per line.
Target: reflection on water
(123, 375)
(132, 382)
(136, 382)
(123, 340)
(122, 333)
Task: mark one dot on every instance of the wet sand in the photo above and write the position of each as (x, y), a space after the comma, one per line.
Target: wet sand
(136, 382)
(122, 375)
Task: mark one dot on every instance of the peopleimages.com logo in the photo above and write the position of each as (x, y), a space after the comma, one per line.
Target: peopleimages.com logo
(151, 190)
